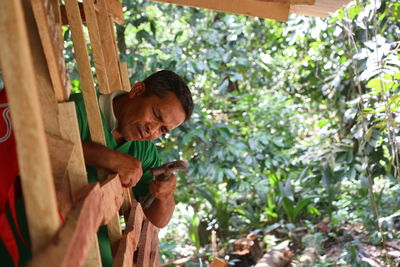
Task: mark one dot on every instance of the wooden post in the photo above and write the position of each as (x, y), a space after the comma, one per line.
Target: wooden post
(33, 157)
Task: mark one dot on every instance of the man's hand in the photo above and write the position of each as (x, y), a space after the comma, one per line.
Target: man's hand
(128, 168)
(163, 190)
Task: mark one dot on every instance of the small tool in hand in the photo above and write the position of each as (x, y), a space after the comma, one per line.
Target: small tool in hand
(163, 173)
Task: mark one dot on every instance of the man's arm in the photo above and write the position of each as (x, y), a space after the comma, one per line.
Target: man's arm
(128, 167)
(160, 211)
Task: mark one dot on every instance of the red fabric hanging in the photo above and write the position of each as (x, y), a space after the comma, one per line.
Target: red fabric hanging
(9, 172)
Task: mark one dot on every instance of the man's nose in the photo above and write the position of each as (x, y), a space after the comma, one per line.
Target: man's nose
(151, 128)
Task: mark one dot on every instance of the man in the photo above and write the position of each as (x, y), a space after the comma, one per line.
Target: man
(152, 108)
(131, 120)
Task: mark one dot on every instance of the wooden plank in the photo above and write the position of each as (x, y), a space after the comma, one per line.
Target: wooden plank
(123, 67)
(112, 197)
(60, 154)
(71, 244)
(109, 46)
(46, 15)
(48, 101)
(146, 237)
(33, 156)
(154, 255)
(130, 239)
(278, 11)
(97, 50)
(76, 171)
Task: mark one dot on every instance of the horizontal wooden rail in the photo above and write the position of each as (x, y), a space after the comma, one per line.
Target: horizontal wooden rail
(72, 242)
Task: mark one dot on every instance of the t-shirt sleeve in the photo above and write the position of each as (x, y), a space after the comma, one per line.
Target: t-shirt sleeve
(148, 154)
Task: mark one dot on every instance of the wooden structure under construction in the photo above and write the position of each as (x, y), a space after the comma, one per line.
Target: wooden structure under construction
(53, 174)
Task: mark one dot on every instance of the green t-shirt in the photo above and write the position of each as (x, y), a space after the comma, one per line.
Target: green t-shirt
(145, 151)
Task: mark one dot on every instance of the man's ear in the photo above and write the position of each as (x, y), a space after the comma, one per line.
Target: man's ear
(137, 90)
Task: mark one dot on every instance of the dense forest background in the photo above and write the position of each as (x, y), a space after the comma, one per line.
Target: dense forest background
(295, 133)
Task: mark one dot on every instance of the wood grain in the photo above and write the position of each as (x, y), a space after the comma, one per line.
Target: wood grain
(33, 157)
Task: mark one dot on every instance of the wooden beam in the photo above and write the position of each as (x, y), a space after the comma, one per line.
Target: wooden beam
(46, 15)
(33, 157)
(70, 246)
(278, 11)
(146, 238)
(97, 49)
(109, 46)
(130, 239)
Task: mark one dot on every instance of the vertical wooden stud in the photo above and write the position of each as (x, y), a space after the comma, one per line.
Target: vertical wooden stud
(109, 46)
(95, 40)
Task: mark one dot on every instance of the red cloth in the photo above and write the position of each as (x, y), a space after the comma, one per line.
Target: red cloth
(9, 172)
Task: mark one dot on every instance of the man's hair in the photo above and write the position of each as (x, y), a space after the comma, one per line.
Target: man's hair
(164, 81)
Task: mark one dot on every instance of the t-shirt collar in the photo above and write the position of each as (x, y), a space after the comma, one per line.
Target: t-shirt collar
(106, 106)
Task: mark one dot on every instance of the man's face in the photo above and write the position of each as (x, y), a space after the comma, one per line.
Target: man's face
(147, 118)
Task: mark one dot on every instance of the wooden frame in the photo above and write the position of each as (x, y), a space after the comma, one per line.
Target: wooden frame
(31, 62)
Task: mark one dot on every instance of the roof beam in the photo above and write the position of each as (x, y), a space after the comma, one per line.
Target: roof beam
(270, 10)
